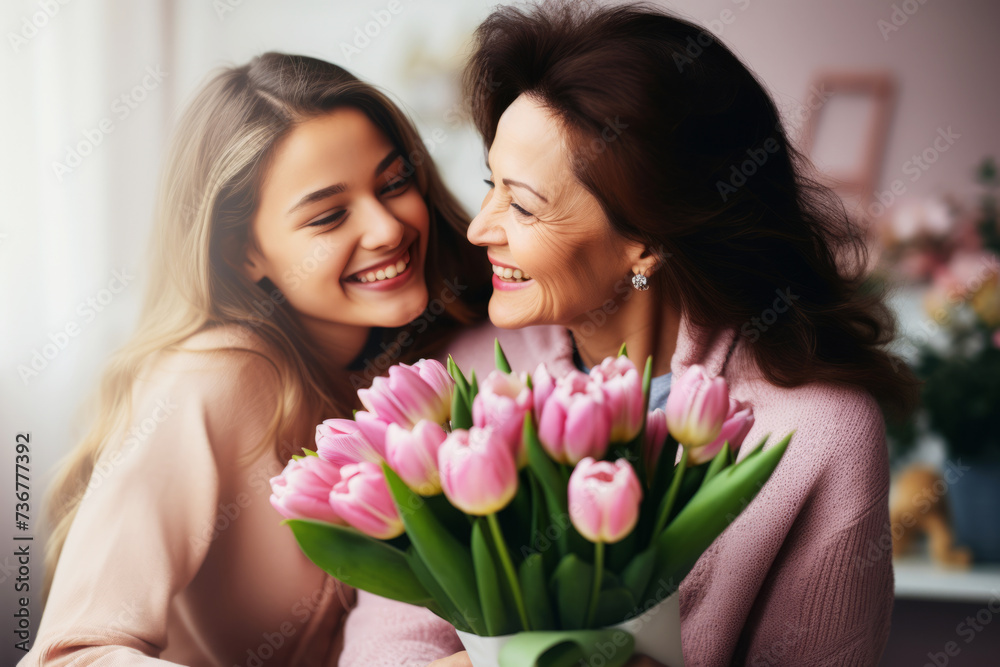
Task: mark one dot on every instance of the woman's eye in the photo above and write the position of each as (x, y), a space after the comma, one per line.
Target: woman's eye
(488, 182)
(395, 186)
(520, 210)
(335, 217)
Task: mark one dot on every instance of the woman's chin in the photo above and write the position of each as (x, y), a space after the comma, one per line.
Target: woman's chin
(401, 311)
(504, 317)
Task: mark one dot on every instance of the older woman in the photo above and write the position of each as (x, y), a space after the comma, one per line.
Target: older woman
(643, 190)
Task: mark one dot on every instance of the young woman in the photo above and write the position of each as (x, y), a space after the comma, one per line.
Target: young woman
(301, 228)
(613, 215)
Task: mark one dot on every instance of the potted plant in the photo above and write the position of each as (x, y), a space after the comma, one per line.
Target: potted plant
(960, 367)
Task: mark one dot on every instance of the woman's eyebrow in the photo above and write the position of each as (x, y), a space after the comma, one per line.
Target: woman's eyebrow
(337, 188)
(510, 182)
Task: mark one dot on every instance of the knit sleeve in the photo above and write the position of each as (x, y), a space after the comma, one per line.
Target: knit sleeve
(136, 539)
(385, 633)
(827, 599)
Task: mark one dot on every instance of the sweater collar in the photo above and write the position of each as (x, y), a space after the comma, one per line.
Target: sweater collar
(695, 345)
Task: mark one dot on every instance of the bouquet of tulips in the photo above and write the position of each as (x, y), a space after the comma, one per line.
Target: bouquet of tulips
(545, 516)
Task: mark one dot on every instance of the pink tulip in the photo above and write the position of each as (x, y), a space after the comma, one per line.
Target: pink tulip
(501, 403)
(697, 407)
(363, 499)
(574, 422)
(996, 338)
(738, 423)
(622, 387)
(344, 441)
(604, 499)
(654, 438)
(543, 385)
(302, 490)
(411, 393)
(478, 472)
(413, 455)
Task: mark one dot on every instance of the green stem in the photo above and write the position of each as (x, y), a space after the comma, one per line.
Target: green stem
(508, 567)
(595, 591)
(675, 485)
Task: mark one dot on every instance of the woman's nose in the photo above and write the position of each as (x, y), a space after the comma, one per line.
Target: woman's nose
(486, 229)
(381, 228)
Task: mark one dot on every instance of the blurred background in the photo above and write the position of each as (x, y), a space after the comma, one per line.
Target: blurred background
(896, 102)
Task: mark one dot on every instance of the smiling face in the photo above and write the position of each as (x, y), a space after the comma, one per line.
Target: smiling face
(341, 228)
(539, 220)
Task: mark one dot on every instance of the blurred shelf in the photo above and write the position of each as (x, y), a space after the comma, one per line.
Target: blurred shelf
(920, 578)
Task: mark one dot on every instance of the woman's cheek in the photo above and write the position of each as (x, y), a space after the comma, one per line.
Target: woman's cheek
(411, 209)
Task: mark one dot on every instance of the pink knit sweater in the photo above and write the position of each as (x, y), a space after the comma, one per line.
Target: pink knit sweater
(803, 576)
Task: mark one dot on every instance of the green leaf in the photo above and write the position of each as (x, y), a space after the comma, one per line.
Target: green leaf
(517, 519)
(711, 510)
(620, 553)
(456, 373)
(693, 478)
(622, 351)
(639, 571)
(613, 605)
(546, 470)
(719, 463)
(447, 559)
(455, 520)
(498, 620)
(473, 386)
(567, 648)
(571, 590)
(309, 452)
(501, 358)
(759, 447)
(449, 611)
(359, 561)
(536, 595)
(461, 411)
(647, 382)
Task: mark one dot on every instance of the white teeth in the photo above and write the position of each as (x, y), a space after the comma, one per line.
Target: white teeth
(508, 273)
(390, 271)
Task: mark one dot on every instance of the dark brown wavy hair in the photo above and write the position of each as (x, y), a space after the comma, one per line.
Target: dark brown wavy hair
(687, 154)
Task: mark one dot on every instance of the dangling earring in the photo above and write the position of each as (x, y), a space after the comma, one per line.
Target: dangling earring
(640, 282)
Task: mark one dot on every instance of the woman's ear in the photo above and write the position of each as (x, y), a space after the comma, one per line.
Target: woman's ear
(243, 255)
(641, 259)
(252, 265)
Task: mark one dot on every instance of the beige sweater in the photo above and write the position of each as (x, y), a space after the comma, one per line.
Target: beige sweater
(176, 555)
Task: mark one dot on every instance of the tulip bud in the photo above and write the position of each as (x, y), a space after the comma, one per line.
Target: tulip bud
(478, 473)
(344, 441)
(622, 387)
(574, 421)
(413, 455)
(363, 499)
(696, 407)
(411, 393)
(501, 403)
(738, 423)
(604, 499)
(302, 490)
(542, 386)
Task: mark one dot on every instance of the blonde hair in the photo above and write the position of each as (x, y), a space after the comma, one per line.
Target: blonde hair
(207, 199)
